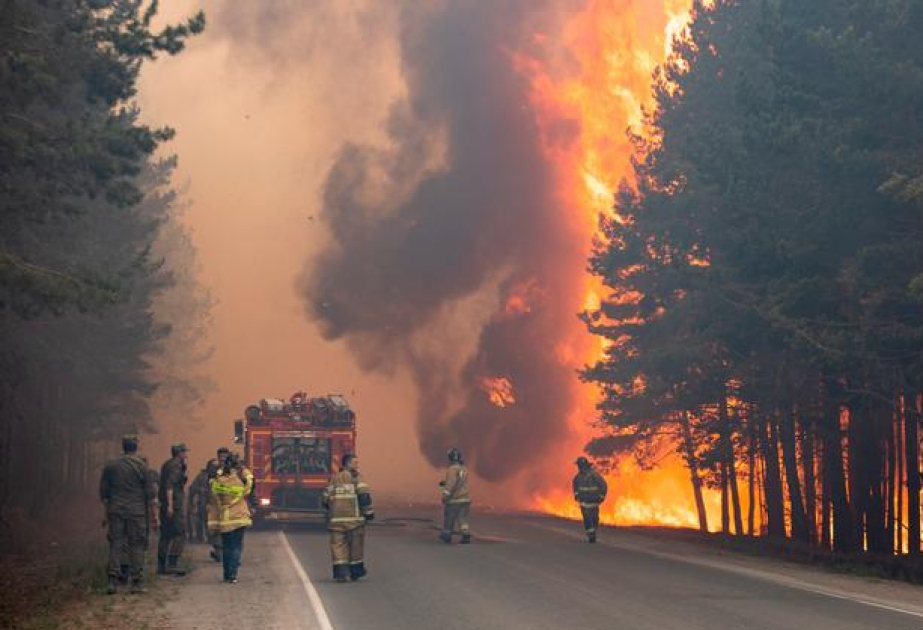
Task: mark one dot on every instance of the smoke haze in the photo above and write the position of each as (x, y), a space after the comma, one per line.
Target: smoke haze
(375, 216)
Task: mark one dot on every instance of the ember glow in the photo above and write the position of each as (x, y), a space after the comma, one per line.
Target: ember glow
(499, 391)
(617, 45)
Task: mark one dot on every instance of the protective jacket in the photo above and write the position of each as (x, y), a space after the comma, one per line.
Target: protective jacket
(455, 485)
(348, 500)
(589, 488)
(227, 508)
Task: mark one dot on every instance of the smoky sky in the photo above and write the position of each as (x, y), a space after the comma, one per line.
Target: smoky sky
(460, 203)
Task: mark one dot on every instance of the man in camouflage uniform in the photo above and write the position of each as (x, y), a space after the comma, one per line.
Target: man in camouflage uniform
(196, 517)
(130, 500)
(172, 504)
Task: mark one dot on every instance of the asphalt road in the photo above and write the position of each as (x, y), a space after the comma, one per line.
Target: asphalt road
(534, 573)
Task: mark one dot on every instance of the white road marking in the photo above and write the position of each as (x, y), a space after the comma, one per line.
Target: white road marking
(316, 604)
(781, 580)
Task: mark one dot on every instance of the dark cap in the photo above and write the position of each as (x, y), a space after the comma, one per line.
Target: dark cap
(582, 462)
(130, 442)
(176, 449)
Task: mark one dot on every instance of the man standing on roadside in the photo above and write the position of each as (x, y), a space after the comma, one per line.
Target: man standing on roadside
(130, 500)
(456, 499)
(589, 491)
(172, 504)
(196, 508)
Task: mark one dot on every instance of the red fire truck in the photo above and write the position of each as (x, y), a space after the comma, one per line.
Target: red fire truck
(293, 447)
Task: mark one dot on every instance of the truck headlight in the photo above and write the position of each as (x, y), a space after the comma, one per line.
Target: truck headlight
(265, 502)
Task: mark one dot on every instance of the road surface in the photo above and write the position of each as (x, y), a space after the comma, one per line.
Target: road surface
(536, 573)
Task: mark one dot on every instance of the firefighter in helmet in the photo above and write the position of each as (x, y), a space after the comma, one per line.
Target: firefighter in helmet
(349, 508)
(589, 491)
(456, 499)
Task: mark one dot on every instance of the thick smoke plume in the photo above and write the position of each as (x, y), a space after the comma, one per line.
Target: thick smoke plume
(449, 251)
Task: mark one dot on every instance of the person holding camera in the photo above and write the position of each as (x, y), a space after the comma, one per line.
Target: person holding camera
(229, 512)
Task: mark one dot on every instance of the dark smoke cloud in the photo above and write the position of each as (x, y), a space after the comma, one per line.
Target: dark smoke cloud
(461, 204)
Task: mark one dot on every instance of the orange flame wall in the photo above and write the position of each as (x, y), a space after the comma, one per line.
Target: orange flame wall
(614, 46)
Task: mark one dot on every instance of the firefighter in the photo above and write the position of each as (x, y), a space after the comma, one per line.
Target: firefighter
(212, 469)
(229, 512)
(172, 503)
(349, 507)
(456, 499)
(197, 507)
(589, 491)
(130, 501)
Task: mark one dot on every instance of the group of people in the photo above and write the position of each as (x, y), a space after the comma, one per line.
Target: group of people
(138, 500)
(589, 487)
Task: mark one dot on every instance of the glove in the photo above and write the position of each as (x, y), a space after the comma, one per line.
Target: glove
(369, 517)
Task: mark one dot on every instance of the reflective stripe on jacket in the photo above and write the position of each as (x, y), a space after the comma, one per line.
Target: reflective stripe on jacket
(590, 488)
(228, 509)
(348, 500)
(455, 487)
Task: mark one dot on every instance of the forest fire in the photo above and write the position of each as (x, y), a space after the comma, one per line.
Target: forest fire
(617, 46)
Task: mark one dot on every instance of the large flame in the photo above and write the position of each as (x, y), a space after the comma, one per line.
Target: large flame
(499, 390)
(616, 45)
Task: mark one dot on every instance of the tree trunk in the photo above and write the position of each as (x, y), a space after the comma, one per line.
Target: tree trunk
(877, 418)
(731, 466)
(835, 482)
(912, 456)
(810, 482)
(891, 479)
(691, 462)
(772, 481)
(901, 470)
(790, 459)
(825, 505)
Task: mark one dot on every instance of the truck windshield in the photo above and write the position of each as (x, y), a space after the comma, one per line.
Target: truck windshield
(300, 456)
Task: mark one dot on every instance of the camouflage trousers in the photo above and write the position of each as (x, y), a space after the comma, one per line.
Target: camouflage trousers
(127, 544)
(172, 538)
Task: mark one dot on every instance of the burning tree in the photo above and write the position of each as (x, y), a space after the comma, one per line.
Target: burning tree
(771, 244)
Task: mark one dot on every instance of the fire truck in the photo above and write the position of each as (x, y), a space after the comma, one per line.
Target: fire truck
(293, 448)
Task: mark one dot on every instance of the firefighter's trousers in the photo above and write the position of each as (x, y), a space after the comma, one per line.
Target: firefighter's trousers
(347, 548)
(127, 544)
(590, 513)
(456, 515)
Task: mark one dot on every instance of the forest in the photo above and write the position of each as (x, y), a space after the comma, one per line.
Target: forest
(90, 242)
(764, 314)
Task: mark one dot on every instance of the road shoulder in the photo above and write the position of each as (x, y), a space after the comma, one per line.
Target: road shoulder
(876, 592)
(269, 594)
